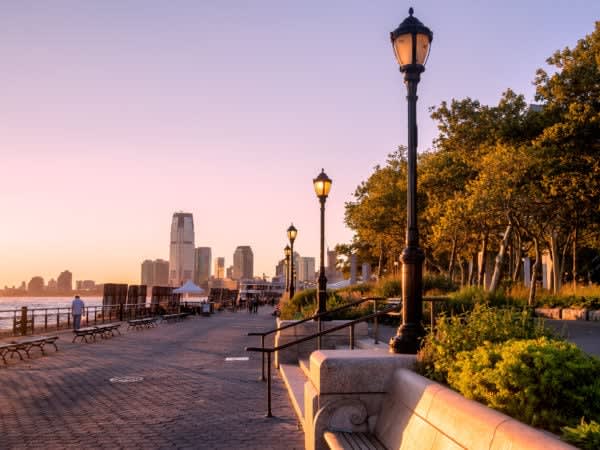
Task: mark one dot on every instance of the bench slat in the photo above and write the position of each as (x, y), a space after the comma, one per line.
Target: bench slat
(339, 440)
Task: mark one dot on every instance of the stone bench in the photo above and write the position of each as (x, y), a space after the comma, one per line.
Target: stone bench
(417, 413)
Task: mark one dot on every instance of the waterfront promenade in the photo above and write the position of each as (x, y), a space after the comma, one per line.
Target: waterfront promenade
(190, 396)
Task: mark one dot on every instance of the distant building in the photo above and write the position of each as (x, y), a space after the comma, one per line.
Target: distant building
(147, 276)
(331, 271)
(219, 267)
(229, 272)
(85, 285)
(243, 263)
(281, 269)
(220, 283)
(35, 285)
(160, 275)
(306, 269)
(181, 255)
(202, 259)
(51, 285)
(64, 282)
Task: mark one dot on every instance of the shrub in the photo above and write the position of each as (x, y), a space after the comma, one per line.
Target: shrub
(297, 306)
(469, 330)
(440, 284)
(545, 383)
(585, 435)
(389, 287)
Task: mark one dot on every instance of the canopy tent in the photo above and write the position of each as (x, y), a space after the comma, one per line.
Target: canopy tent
(189, 288)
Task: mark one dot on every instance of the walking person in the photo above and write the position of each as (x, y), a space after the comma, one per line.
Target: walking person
(77, 306)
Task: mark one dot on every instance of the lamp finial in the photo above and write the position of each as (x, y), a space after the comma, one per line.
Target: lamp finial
(411, 11)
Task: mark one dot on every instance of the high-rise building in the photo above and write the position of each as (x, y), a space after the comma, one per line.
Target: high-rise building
(181, 255)
(64, 282)
(160, 272)
(229, 273)
(306, 269)
(147, 273)
(243, 263)
(35, 285)
(331, 271)
(202, 258)
(220, 267)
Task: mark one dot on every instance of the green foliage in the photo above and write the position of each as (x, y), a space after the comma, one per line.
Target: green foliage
(438, 283)
(544, 383)
(302, 302)
(466, 332)
(389, 287)
(586, 436)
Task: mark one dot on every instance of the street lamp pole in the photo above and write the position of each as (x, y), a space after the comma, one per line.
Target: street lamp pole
(411, 42)
(322, 185)
(292, 233)
(287, 252)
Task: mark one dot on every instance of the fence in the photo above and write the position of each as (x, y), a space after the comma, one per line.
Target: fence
(20, 322)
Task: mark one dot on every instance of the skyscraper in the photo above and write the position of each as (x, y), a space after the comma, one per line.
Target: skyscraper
(160, 272)
(181, 255)
(243, 263)
(202, 258)
(306, 269)
(64, 282)
(219, 267)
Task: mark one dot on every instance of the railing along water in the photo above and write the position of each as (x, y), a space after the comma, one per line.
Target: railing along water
(25, 320)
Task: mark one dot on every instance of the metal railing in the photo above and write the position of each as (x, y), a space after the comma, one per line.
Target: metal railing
(25, 320)
(318, 318)
(317, 335)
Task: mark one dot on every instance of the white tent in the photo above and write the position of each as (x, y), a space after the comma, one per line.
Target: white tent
(189, 288)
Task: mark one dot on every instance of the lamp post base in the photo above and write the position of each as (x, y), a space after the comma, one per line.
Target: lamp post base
(407, 340)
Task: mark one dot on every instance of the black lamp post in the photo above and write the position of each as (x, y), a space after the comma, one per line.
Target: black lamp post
(411, 42)
(287, 251)
(292, 233)
(322, 185)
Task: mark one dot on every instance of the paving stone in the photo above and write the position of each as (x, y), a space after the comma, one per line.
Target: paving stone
(190, 397)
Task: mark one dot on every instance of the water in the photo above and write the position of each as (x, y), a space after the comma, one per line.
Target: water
(11, 303)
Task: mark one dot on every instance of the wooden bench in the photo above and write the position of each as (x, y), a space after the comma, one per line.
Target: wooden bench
(419, 413)
(28, 344)
(5, 349)
(104, 331)
(137, 324)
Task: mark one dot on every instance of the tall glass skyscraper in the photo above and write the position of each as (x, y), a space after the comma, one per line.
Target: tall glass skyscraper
(181, 255)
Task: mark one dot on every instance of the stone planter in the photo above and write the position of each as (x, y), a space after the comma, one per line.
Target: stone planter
(574, 314)
(548, 313)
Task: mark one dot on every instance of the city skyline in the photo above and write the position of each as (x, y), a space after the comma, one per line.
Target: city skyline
(116, 115)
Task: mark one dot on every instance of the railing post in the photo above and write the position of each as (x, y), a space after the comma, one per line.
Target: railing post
(33, 321)
(46, 319)
(14, 322)
(95, 314)
(58, 318)
(23, 327)
(69, 319)
(87, 316)
(269, 385)
(319, 336)
(262, 345)
(351, 337)
(375, 323)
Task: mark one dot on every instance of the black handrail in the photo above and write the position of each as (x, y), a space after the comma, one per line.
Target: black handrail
(318, 335)
(314, 317)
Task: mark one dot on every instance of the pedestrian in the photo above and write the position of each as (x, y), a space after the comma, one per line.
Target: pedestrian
(77, 310)
(255, 305)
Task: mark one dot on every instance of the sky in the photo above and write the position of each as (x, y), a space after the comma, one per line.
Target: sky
(114, 114)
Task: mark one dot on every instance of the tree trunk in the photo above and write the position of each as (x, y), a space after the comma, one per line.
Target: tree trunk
(452, 257)
(574, 271)
(380, 262)
(516, 275)
(462, 272)
(500, 259)
(534, 271)
(563, 260)
(481, 274)
(555, 262)
(471, 280)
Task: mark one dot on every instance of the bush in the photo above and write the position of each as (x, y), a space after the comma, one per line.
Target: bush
(544, 383)
(439, 284)
(304, 305)
(302, 302)
(389, 287)
(585, 435)
(469, 330)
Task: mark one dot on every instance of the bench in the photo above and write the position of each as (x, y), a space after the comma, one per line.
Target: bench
(5, 349)
(28, 344)
(137, 324)
(418, 413)
(174, 317)
(104, 331)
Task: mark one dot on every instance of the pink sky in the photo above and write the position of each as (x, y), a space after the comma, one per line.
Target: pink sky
(115, 114)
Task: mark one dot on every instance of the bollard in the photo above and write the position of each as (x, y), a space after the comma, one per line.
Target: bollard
(23, 322)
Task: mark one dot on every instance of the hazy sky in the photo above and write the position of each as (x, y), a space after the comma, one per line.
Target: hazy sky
(116, 113)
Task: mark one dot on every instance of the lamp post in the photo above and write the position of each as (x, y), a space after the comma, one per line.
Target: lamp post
(322, 185)
(287, 251)
(411, 42)
(292, 233)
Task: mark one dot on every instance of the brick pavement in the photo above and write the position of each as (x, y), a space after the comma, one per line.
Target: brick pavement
(190, 396)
